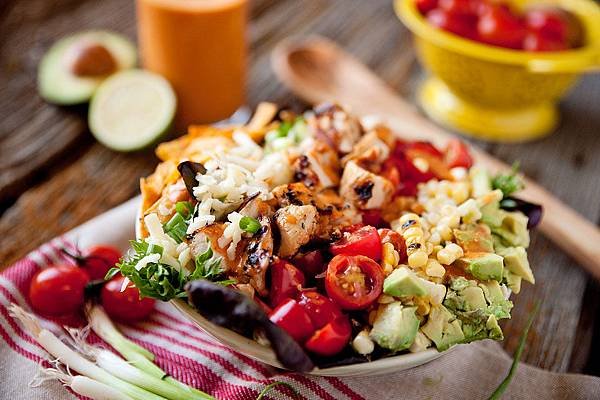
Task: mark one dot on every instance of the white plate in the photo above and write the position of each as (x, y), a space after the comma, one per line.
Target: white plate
(265, 354)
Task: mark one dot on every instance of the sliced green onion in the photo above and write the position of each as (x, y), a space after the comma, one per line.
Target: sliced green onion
(249, 224)
(74, 360)
(185, 208)
(111, 362)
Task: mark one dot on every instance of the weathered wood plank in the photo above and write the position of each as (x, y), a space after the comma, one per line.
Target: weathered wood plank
(76, 179)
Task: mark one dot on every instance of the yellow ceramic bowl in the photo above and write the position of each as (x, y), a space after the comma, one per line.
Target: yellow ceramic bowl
(495, 93)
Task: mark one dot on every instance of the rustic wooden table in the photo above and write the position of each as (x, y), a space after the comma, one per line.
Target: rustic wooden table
(54, 176)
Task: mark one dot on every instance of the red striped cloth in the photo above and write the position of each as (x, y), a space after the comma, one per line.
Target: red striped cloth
(181, 349)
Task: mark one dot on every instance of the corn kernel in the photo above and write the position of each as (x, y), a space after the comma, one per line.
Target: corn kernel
(413, 231)
(455, 249)
(417, 259)
(362, 343)
(434, 268)
(407, 217)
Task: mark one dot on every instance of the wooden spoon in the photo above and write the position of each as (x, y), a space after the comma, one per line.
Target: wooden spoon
(318, 70)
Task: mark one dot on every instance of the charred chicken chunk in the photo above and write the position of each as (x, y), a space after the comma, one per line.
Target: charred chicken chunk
(336, 127)
(372, 149)
(257, 255)
(365, 189)
(297, 225)
(318, 166)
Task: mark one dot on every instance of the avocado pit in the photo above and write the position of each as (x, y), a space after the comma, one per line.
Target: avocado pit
(88, 59)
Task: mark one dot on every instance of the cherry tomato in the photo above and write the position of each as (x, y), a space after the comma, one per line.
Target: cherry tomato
(125, 305)
(286, 282)
(457, 155)
(319, 308)
(424, 6)
(458, 24)
(354, 282)
(435, 163)
(58, 290)
(330, 339)
(460, 7)
(364, 241)
(537, 42)
(311, 263)
(396, 239)
(292, 318)
(99, 259)
(551, 23)
(500, 27)
(373, 218)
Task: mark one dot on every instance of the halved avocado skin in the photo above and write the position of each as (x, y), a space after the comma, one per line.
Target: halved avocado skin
(58, 85)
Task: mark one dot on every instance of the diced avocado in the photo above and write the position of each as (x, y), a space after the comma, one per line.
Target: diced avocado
(494, 330)
(491, 214)
(484, 266)
(421, 343)
(480, 182)
(475, 238)
(513, 230)
(465, 295)
(396, 327)
(515, 260)
(477, 306)
(403, 282)
(443, 328)
(57, 81)
(513, 281)
(492, 291)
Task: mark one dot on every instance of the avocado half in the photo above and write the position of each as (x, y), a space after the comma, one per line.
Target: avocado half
(58, 85)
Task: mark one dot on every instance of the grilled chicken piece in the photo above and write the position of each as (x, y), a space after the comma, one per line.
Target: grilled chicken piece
(256, 256)
(213, 232)
(256, 207)
(372, 149)
(335, 126)
(318, 167)
(365, 189)
(296, 193)
(297, 225)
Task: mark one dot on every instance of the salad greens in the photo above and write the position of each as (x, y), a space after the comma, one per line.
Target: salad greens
(508, 183)
(158, 280)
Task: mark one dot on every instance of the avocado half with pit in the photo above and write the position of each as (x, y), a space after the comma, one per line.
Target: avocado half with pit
(74, 67)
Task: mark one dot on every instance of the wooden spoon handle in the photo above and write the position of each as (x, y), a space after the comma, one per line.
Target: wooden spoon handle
(367, 94)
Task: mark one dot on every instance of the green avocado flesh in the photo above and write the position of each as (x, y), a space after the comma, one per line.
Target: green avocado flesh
(132, 110)
(58, 85)
(396, 327)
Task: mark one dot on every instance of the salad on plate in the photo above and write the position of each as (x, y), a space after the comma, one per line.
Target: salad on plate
(330, 238)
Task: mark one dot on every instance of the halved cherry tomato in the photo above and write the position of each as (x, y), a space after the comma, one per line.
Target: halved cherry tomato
(396, 239)
(354, 282)
(458, 24)
(373, 218)
(58, 290)
(424, 6)
(500, 27)
(311, 263)
(125, 305)
(364, 241)
(292, 318)
(330, 339)
(319, 308)
(99, 259)
(537, 42)
(435, 163)
(286, 282)
(457, 154)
